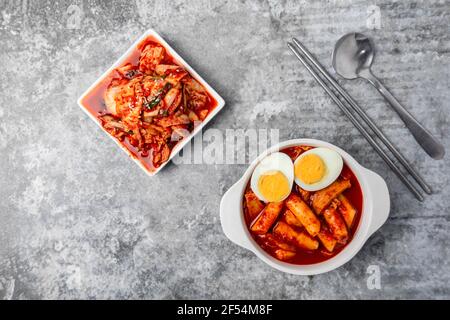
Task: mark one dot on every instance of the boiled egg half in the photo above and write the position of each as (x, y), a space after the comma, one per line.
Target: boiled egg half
(317, 168)
(273, 177)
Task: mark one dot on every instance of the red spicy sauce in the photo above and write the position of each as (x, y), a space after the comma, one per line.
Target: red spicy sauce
(304, 257)
(93, 101)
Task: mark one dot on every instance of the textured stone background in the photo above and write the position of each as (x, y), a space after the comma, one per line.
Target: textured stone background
(79, 220)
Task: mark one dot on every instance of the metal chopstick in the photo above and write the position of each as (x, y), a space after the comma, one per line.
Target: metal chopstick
(362, 130)
(365, 117)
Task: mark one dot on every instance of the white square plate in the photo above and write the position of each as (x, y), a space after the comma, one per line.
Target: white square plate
(180, 61)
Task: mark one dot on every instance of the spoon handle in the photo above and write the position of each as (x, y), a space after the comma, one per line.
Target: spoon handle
(429, 143)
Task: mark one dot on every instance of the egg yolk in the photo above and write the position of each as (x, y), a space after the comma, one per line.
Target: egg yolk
(273, 185)
(310, 169)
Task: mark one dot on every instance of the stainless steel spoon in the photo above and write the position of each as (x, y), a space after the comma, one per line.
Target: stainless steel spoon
(352, 57)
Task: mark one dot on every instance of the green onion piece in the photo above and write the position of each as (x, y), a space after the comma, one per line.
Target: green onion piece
(150, 105)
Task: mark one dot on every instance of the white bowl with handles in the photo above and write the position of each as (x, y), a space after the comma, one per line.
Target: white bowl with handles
(376, 206)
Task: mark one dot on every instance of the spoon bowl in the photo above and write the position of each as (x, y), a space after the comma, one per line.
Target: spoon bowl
(352, 52)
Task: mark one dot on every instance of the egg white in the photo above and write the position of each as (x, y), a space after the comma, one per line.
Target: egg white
(333, 167)
(275, 161)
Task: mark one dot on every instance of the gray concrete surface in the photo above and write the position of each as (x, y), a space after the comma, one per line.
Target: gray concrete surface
(79, 220)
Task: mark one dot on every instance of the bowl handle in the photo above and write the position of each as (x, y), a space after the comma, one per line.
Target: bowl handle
(381, 204)
(232, 221)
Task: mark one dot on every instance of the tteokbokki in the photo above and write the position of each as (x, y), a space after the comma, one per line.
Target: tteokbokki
(302, 204)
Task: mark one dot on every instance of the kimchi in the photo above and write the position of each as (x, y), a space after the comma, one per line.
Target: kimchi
(150, 103)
